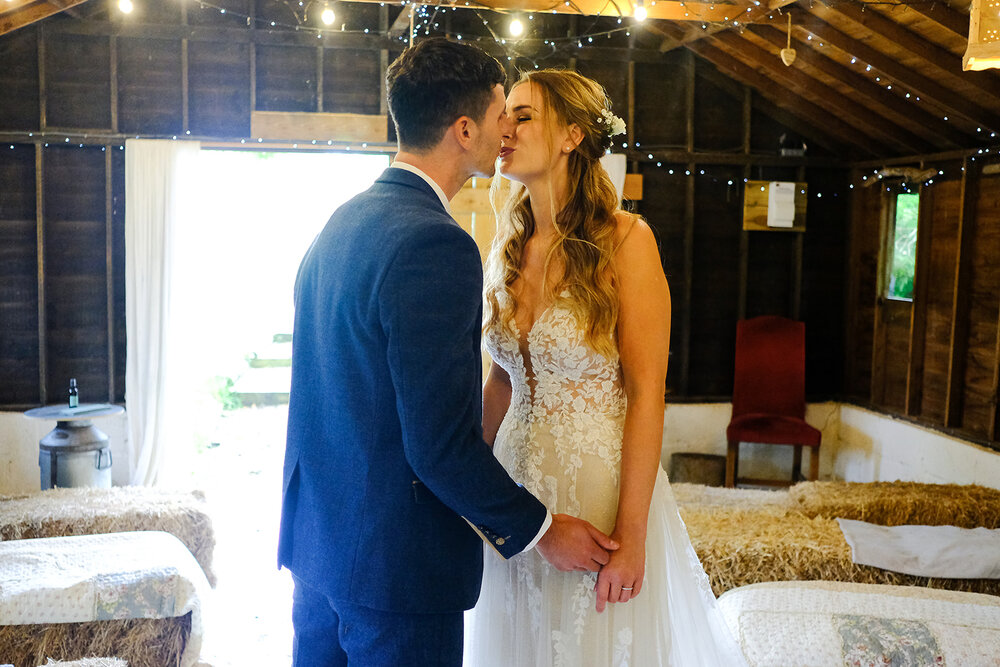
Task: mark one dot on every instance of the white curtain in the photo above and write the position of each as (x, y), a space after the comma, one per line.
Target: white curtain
(153, 173)
(616, 164)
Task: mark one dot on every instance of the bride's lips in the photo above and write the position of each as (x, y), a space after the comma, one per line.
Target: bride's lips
(505, 151)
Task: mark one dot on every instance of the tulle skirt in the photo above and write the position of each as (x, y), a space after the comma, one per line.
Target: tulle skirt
(531, 615)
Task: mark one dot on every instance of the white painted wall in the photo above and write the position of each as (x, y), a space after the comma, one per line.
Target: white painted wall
(877, 448)
(858, 446)
(19, 438)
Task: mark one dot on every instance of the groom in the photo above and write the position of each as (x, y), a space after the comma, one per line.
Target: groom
(386, 470)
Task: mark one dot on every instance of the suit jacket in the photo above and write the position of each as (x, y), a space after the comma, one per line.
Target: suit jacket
(385, 452)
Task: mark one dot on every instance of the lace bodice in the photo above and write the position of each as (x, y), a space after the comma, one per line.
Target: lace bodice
(566, 415)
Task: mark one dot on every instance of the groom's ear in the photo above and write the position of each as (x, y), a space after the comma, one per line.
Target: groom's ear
(463, 131)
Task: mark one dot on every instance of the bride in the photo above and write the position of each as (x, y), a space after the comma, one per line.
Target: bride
(578, 325)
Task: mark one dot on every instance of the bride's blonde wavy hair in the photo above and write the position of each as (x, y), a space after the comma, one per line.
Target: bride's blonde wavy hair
(585, 224)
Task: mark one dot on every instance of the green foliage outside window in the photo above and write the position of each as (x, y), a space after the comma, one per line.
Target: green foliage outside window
(904, 251)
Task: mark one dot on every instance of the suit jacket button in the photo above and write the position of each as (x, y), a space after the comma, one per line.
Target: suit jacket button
(500, 541)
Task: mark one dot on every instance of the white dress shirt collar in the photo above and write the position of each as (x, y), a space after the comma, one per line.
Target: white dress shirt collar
(396, 164)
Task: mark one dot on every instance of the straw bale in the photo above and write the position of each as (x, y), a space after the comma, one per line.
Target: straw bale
(713, 497)
(901, 503)
(144, 642)
(87, 662)
(748, 546)
(90, 511)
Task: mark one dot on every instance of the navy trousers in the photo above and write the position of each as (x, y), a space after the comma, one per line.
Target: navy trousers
(333, 633)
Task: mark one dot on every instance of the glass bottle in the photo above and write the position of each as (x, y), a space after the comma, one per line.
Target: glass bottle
(74, 396)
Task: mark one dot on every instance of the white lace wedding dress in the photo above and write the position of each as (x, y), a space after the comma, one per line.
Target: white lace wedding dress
(561, 439)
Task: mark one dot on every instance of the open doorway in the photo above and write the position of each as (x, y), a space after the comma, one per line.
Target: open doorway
(249, 218)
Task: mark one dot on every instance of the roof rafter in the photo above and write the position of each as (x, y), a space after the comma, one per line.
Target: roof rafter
(815, 115)
(878, 99)
(857, 115)
(943, 60)
(768, 108)
(954, 102)
(20, 13)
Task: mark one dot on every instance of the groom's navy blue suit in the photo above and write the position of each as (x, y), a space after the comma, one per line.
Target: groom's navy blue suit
(385, 452)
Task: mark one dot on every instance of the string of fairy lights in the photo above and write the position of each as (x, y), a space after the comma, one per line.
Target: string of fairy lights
(514, 32)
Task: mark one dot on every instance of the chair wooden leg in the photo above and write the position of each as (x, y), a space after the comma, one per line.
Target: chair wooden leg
(797, 463)
(732, 462)
(813, 464)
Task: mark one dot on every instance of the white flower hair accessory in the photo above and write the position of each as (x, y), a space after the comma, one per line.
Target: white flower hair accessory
(615, 124)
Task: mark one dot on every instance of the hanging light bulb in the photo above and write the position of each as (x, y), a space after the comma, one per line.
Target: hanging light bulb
(328, 17)
(125, 6)
(640, 11)
(515, 28)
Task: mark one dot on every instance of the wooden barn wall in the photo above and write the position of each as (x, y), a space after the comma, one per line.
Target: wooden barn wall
(199, 72)
(935, 361)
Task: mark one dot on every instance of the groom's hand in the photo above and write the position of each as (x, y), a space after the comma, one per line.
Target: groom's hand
(574, 544)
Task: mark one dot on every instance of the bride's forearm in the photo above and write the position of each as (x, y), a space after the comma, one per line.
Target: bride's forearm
(641, 446)
(496, 401)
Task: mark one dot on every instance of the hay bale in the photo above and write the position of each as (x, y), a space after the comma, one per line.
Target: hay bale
(698, 496)
(87, 662)
(89, 511)
(144, 642)
(901, 503)
(749, 546)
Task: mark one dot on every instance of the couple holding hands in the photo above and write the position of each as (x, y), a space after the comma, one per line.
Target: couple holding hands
(396, 458)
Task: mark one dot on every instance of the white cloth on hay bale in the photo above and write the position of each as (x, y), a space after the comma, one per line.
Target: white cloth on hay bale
(822, 623)
(114, 576)
(925, 551)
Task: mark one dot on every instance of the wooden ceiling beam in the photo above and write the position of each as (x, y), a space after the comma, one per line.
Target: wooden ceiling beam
(944, 16)
(956, 104)
(26, 13)
(880, 100)
(802, 108)
(772, 110)
(694, 33)
(940, 59)
(857, 115)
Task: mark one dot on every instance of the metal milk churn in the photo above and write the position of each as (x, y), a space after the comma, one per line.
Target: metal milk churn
(75, 453)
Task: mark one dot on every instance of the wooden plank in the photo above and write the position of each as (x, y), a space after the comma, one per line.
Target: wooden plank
(918, 317)
(305, 126)
(26, 13)
(959, 341)
(814, 114)
(879, 336)
(795, 308)
(857, 115)
(755, 205)
(947, 64)
(881, 101)
(791, 121)
(850, 311)
(43, 346)
(632, 190)
(109, 282)
(944, 16)
(904, 76)
(744, 251)
(689, 204)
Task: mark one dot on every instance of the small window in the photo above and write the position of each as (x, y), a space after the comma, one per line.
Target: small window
(904, 247)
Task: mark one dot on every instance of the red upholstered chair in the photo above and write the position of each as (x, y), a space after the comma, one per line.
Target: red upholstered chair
(769, 395)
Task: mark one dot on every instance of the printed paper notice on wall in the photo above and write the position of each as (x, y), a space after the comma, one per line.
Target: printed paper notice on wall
(780, 204)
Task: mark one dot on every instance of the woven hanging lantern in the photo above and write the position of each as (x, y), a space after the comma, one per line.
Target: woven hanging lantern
(984, 36)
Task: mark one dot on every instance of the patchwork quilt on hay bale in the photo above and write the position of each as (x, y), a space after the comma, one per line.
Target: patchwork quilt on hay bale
(88, 511)
(822, 623)
(746, 537)
(134, 595)
(87, 662)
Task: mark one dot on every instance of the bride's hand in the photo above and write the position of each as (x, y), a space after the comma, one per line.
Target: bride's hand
(621, 578)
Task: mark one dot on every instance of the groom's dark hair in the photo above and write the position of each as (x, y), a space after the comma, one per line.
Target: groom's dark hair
(436, 82)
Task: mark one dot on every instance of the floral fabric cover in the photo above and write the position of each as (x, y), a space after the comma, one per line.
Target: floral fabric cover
(144, 574)
(827, 623)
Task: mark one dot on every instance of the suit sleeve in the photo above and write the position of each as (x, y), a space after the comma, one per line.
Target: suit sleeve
(431, 303)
